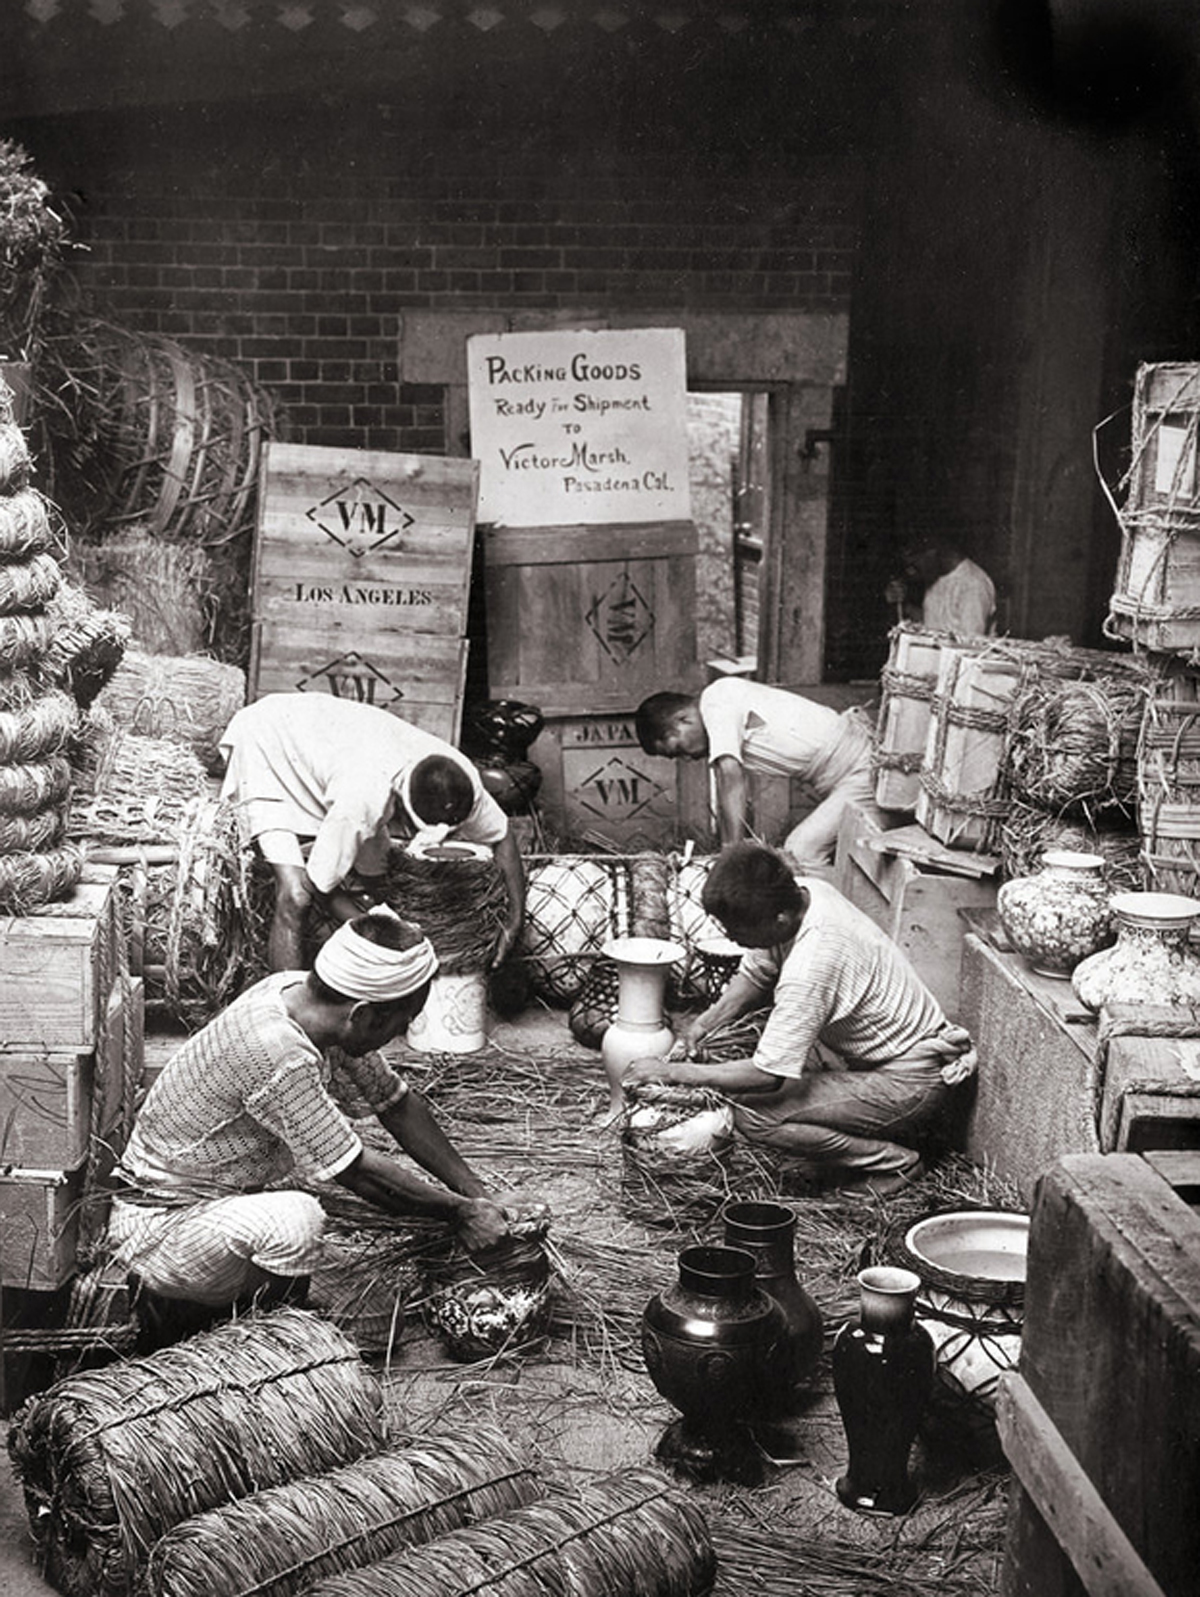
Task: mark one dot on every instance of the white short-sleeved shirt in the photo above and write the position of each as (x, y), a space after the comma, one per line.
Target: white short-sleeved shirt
(963, 601)
(843, 982)
(767, 729)
(325, 768)
(248, 1099)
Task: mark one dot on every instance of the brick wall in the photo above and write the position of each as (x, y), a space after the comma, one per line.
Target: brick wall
(291, 238)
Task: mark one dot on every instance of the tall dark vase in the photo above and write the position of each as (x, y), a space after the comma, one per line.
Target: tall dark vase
(767, 1231)
(710, 1343)
(883, 1368)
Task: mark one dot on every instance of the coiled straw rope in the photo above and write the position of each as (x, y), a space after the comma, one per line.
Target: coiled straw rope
(31, 834)
(24, 641)
(26, 528)
(627, 1535)
(276, 1543)
(27, 880)
(28, 585)
(29, 787)
(111, 1459)
(41, 729)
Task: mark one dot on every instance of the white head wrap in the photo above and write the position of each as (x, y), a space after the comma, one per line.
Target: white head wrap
(361, 969)
(427, 832)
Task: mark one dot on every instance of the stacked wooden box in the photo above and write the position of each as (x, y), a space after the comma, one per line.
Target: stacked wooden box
(71, 1017)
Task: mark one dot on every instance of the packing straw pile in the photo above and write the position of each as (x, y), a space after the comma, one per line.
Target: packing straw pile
(626, 1535)
(277, 1542)
(111, 1459)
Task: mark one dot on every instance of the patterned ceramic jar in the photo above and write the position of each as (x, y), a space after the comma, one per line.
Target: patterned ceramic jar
(1152, 961)
(1060, 914)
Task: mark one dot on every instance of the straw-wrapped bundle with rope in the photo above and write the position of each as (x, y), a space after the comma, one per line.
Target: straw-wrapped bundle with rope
(111, 1459)
(1072, 746)
(29, 526)
(493, 1301)
(163, 586)
(130, 789)
(190, 699)
(1169, 786)
(691, 924)
(278, 1542)
(1027, 831)
(87, 646)
(202, 915)
(457, 897)
(629, 1534)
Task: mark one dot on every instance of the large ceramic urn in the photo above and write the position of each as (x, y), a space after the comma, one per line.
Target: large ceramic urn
(767, 1231)
(1058, 915)
(712, 1344)
(1153, 960)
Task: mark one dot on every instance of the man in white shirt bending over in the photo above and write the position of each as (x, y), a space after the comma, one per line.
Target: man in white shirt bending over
(739, 726)
(323, 785)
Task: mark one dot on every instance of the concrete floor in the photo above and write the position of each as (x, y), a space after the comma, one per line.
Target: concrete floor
(577, 1418)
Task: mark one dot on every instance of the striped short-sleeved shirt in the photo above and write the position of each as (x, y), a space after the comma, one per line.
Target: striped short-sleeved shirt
(843, 982)
(246, 1100)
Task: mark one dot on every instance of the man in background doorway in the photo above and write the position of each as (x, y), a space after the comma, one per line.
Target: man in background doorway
(740, 726)
(942, 590)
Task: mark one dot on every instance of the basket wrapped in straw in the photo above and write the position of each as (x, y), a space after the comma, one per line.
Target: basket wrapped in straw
(187, 698)
(111, 1459)
(277, 1542)
(130, 789)
(1072, 746)
(457, 897)
(674, 1149)
(574, 904)
(632, 1534)
(493, 1301)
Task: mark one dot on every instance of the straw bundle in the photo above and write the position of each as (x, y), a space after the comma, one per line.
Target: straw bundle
(43, 728)
(674, 1152)
(1169, 786)
(1073, 745)
(189, 699)
(165, 588)
(24, 641)
(15, 460)
(27, 880)
(29, 787)
(26, 528)
(277, 1542)
(30, 584)
(1028, 831)
(111, 1459)
(459, 903)
(626, 1535)
(33, 834)
(131, 789)
(87, 644)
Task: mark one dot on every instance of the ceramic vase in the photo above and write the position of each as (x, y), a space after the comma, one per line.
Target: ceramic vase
(1058, 915)
(767, 1231)
(640, 1029)
(1152, 960)
(492, 1301)
(711, 1343)
(883, 1370)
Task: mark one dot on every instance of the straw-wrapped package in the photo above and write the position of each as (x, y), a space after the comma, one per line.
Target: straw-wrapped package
(631, 1534)
(130, 789)
(277, 1542)
(1027, 831)
(574, 904)
(1073, 745)
(457, 896)
(1169, 786)
(87, 645)
(188, 698)
(111, 1459)
(691, 924)
(674, 1147)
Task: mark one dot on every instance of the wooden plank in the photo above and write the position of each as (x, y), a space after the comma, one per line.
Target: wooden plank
(915, 843)
(530, 546)
(1111, 1350)
(45, 1106)
(1179, 1167)
(1102, 1555)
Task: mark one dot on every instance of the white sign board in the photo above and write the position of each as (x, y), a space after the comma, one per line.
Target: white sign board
(574, 427)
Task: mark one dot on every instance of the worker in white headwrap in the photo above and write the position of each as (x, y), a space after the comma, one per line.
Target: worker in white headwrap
(323, 785)
(199, 1217)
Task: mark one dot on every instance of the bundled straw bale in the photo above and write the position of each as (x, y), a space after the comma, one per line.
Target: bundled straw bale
(42, 728)
(276, 1543)
(165, 588)
(1028, 831)
(632, 1534)
(29, 584)
(1073, 745)
(29, 787)
(111, 1459)
(131, 789)
(28, 880)
(459, 903)
(87, 644)
(26, 526)
(187, 698)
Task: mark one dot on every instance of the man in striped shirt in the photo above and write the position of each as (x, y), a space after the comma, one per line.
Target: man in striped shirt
(838, 987)
(204, 1216)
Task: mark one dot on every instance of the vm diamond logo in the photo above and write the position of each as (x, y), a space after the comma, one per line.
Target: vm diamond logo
(617, 790)
(620, 618)
(360, 518)
(352, 677)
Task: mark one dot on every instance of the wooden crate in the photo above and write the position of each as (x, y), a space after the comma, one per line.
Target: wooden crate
(590, 620)
(362, 570)
(39, 1226)
(1037, 1089)
(1151, 1080)
(916, 904)
(908, 683)
(962, 798)
(58, 965)
(1101, 1420)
